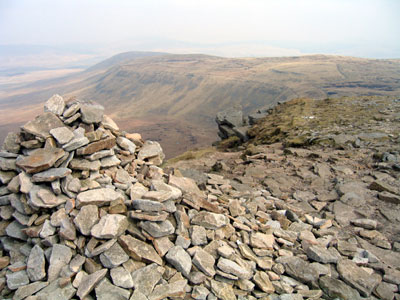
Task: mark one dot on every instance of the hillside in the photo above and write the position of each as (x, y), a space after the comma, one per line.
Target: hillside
(168, 96)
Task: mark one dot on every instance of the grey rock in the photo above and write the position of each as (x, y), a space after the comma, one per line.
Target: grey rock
(222, 290)
(101, 154)
(336, 288)
(92, 113)
(299, 269)
(145, 279)
(42, 125)
(100, 249)
(198, 235)
(204, 262)
(84, 165)
(17, 279)
(40, 160)
(71, 110)
(232, 117)
(25, 183)
(210, 220)
(110, 161)
(76, 263)
(12, 142)
(97, 197)
(157, 229)
(89, 283)
(229, 266)
(172, 290)
(365, 223)
(109, 123)
(113, 257)
(62, 135)
(76, 143)
(151, 149)
(8, 164)
(180, 259)
(261, 279)
(321, 254)
(14, 229)
(67, 230)
(55, 105)
(60, 257)
(47, 230)
(5, 177)
(147, 205)
(200, 293)
(28, 290)
(121, 277)
(110, 226)
(87, 217)
(139, 250)
(50, 175)
(357, 277)
(106, 291)
(55, 292)
(42, 196)
(35, 266)
(126, 144)
(383, 291)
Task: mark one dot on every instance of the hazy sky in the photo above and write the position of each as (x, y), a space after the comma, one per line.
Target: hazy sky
(367, 28)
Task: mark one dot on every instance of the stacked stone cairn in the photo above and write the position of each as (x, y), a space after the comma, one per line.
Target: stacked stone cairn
(87, 213)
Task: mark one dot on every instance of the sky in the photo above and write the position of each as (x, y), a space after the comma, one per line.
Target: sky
(362, 28)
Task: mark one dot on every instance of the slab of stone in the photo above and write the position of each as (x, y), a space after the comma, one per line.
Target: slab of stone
(72, 109)
(35, 266)
(75, 143)
(109, 123)
(198, 235)
(28, 290)
(106, 291)
(25, 183)
(99, 249)
(42, 197)
(6, 176)
(84, 165)
(76, 263)
(180, 259)
(158, 229)
(42, 125)
(147, 205)
(381, 186)
(47, 230)
(89, 283)
(62, 135)
(321, 254)
(8, 164)
(204, 262)
(262, 240)
(126, 144)
(100, 154)
(261, 279)
(149, 216)
(172, 290)
(389, 197)
(210, 220)
(87, 217)
(162, 245)
(139, 250)
(121, 277)
(110, 226)
(72, 119)
(357, 277)
(145, 279)
(55, 291)
(98, 197)
(151, 149)
(50, 175)
(336, 288)
(160, 185)
(55, 104)
(12, 142)
(110, 161)
(299, 269)
(113, 257)
(67, 230)
(16, 280)
(97, 146)
(230, 267)
(92, 113)
(222, 290)
(15, 230)
(60, 257)
(186, 185)
(40, 159)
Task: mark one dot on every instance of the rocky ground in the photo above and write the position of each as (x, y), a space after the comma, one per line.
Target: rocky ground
(88, 213)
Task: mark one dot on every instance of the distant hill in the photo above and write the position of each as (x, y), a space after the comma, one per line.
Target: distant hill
(167, 96)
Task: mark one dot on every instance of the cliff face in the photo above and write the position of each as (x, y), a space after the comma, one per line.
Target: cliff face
(87, 211)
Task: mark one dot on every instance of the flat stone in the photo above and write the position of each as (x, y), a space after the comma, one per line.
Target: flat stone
(162, 245)
(72, 109)
(109, 123)
(113, 257)
(98, 197)
(186, 185)
(145, 279)
(100, 154)
(383, 291)
(200, 292)
(89, 283)
(172, 290)
(389, 197)
(25, 183)
(12, 142)
(229, 266)
(47, 230)
(7, 164)
(126, 144)
(365, 223)
(84, 165)
(262, 240)
(16, 280)
(87, 217)
(147, 205)
(149, 216)
(60, 257)
(336, 288)
(139, 250)
(62, 135)
(42, 196)
(97, 146)
(42, 125)
(222, 290)
(106, 291)
(299, 269)
(180, 259)
(381, 186)
(40, 160)
(157, 229)
(110, 161)
(151, 149)
(92, 113)
(110, 226)
(56, 292)
(72, 119)
(6, 176)
(28, 290)
(35, 266)
(204, 262)
(160, 185)
(121, 277)
(357, 277)
(55, 104)
(261, 279)
(75, 143)
(210, 220)
(76, 263)
(198, 235)
(14, 229)
(321, 254)
(50, 175)
(67, 230)
(99, 249)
